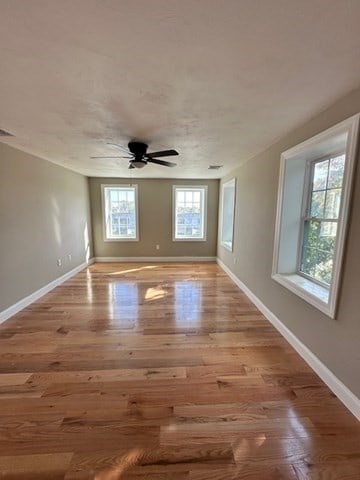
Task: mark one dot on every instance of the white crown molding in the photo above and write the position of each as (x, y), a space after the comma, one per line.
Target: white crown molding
(345, 395)
(153, 259)
(24, 302)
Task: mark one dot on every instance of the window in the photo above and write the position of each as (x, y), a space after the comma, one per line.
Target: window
(321, 217)
(227, 213)
(189, 215)
(120, 212)
(313, 203)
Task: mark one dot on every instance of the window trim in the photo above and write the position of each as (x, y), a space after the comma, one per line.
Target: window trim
(204, 188)
(103, 211)
(308, 151)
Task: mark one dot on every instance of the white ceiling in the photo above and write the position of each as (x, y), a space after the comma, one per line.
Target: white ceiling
(217, 80)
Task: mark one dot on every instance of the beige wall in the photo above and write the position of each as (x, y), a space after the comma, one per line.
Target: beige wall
(44, 214)
(155, 220)
(335, 342)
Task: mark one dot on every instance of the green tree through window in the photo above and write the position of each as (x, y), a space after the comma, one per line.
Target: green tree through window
(321, 218)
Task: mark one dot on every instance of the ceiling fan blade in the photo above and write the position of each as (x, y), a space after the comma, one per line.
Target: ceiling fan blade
(118, 146)
(162, 162)
(163, 153)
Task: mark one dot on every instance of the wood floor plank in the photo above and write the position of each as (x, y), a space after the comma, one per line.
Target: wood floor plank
(328, 472)
(8, 379)
(171, 360)
(155, 463)
(35, 467)
(247, 472)
(113, 375)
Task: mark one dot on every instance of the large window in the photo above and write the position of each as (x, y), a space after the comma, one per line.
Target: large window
(321, 218)
(189, 215)
(120, 212)
(313, 204)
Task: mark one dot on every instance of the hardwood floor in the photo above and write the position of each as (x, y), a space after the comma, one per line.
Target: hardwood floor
(171, 360)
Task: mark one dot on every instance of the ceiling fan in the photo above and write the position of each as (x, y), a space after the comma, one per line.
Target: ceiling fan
(138, 156)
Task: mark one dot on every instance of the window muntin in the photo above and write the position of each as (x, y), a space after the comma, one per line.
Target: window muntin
(189, 213)
(321, 217)
(120, 212)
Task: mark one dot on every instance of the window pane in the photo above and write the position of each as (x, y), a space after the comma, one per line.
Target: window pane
(197, 197)
(320, 175)
(323, 269)
(317, 264)
(180, 196)
(311, 233)
(320, 235)
(318, 249)
(308, 261)
(188, 197)
(317, 204)
(328, 234)
(121, 195)
(332, 206)
(336, 173)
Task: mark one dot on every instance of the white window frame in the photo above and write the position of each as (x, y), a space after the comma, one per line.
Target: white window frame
(203, 196)
(293, 187)
(107, 237)
(230, 185)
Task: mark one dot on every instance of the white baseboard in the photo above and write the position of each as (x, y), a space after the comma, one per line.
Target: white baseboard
(345, 395)
(24, 302)
(154, 259)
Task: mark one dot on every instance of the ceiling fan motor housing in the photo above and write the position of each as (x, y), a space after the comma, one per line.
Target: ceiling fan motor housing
(138, 149)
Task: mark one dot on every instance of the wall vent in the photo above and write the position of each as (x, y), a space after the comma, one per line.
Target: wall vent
(4, 133)
(214, 167)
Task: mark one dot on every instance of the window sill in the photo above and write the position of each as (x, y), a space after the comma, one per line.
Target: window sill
(311, 292)
(189, 239)
(121, 239)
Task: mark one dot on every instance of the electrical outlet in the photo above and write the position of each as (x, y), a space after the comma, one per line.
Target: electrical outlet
(69, 257)
(59, 262)
(157, 247)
